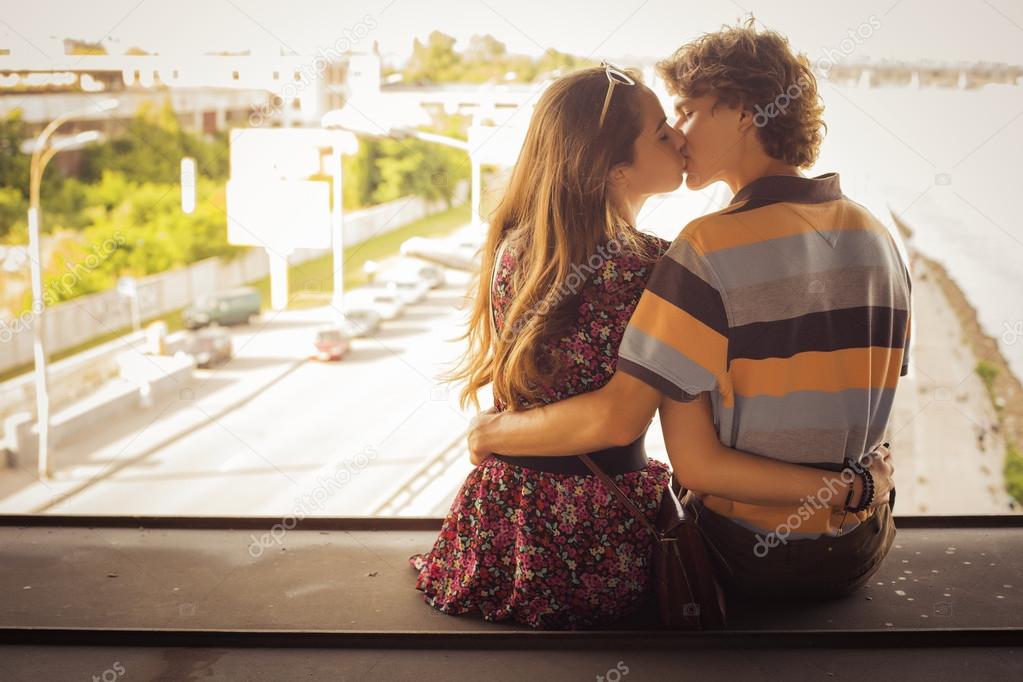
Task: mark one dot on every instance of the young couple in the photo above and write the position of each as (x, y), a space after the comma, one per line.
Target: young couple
(769, 336)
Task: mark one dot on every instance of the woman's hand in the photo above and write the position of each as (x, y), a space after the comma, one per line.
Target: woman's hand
(478, 451)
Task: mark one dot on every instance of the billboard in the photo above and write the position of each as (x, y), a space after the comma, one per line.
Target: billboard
(281, 215)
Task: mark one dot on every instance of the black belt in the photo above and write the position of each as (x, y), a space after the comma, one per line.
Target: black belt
(613, 461)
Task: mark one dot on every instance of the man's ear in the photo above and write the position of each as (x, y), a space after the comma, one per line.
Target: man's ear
(746, 119)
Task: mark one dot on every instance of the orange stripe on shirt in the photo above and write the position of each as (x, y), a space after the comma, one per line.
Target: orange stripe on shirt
(827, 371)
(775, 222)
(678, 329)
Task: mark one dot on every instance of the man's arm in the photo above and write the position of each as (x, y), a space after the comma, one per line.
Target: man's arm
(615, 414)
(701, 463)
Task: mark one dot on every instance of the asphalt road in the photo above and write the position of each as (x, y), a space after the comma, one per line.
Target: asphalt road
(274, 432)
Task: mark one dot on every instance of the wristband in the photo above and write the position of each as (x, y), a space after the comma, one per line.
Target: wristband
(868, 488)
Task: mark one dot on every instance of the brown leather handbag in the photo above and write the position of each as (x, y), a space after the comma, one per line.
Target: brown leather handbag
(689, 596)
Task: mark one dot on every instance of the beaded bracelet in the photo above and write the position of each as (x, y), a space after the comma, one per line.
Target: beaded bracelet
(868, 488)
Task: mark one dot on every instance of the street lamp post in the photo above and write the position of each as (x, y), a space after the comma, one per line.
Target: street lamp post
(42, 152)
(337, 232)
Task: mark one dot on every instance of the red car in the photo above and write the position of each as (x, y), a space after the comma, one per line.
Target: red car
(332, 343)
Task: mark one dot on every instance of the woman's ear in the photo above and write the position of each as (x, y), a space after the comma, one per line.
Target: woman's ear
(617, 176)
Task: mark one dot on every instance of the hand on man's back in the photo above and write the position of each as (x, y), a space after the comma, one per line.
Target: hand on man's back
(474, 437)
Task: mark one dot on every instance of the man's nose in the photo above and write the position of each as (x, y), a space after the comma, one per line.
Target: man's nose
(680, 137)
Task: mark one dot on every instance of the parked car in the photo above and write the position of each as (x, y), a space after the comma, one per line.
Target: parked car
(456, 253)
(409, 270)
(236, 306)
(360, 322)
(209, 346)
(332, 343)
(409, 292)
(385, 302)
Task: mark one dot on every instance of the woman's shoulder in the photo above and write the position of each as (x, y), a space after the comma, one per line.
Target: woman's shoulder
(617, 264)
(650, 248)
(632, 263)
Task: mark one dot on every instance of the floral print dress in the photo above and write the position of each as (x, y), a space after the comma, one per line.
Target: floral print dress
(550, 550)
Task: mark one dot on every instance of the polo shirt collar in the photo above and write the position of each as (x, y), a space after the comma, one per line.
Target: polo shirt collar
(791, 188)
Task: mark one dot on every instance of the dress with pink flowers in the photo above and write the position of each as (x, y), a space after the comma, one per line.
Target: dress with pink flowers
(553, 550)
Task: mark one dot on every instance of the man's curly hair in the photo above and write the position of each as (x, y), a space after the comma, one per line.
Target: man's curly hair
(758, 71)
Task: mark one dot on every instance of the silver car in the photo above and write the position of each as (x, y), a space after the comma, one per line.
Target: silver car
(358, 322)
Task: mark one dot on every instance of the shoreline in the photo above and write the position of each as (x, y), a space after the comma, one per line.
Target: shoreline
(1005, 390)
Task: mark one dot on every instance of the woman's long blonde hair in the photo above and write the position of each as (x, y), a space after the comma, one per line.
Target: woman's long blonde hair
(556, 213)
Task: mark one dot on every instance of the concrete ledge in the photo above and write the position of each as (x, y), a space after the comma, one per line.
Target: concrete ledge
(346, 582)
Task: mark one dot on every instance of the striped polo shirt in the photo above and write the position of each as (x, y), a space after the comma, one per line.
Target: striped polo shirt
(791, 306)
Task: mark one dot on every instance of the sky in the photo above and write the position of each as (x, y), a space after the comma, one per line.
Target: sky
(940, 30)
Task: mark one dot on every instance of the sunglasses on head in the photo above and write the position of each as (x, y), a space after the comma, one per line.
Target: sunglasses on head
(615, 76)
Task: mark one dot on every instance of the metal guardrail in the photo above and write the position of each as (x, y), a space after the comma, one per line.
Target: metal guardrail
(421, 479)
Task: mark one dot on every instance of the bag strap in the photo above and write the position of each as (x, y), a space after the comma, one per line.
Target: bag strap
(493, 281)
(709, 542)
(622, 497)
(610, 485)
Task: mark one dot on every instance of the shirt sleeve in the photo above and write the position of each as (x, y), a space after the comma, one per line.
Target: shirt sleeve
(677, 338)
(909, 322)
(905, 346)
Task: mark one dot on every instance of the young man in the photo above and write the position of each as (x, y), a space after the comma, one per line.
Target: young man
(785, 315)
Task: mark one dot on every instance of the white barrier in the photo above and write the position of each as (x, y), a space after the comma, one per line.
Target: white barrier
(70, 378)
(135, 389)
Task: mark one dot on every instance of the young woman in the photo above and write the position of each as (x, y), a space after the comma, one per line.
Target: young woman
(538, 540)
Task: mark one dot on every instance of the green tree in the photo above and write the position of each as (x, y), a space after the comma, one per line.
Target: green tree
(425, 169)
(361, 174)
(14, 182)
(13, 211)
(14, 164)
(76, 47)
(433, 61)
(134, 229)
(485, 59)
(554, 63)
(151, 147)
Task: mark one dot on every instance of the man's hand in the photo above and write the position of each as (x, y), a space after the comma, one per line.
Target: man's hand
(882, 470)
(477, 448)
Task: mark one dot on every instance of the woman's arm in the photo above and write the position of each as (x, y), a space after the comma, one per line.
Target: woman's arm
(615, 414)
(701, 463)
